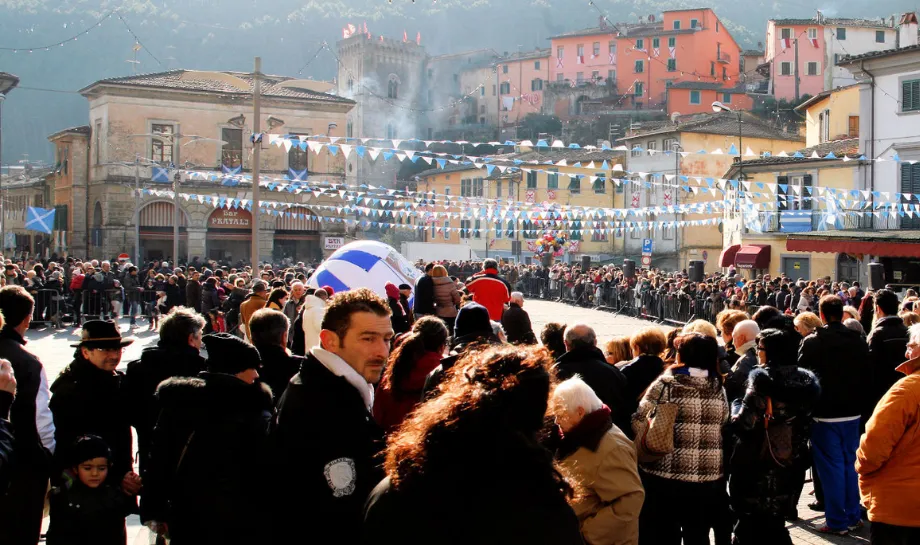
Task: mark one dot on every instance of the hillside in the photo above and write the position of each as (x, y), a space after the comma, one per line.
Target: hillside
(227, 34)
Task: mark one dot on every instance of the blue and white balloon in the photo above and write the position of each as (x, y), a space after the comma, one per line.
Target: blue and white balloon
(364, 264)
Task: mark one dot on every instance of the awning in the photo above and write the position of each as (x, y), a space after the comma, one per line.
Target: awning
(727, 257)
(877, 248)
(753, 257)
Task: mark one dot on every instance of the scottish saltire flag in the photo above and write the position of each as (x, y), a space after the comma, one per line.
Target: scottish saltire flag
(297, 176)
(159, 174)
(232, 171)
(40, 219)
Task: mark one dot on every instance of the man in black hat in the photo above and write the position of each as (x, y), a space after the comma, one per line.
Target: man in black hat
(205, 485)
(325, 436)
(88, 398)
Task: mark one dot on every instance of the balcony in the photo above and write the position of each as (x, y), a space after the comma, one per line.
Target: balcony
(803, 221)
(723, 57)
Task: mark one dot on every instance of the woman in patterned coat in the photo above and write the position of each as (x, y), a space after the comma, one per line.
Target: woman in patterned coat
(682, 489)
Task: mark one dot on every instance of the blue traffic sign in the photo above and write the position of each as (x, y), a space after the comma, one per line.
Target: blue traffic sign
(647, 246)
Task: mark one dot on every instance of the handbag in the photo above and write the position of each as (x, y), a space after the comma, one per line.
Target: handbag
(655, 431)
(777, 439)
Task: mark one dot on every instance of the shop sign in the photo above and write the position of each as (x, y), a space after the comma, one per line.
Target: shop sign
(230, 219)
(333, 243)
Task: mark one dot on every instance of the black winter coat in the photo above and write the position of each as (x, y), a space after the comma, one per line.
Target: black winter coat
(424, 296)
(639, 373)
(277, 368)
(517, 326)
(208, 299)
(86, 400)
(193, 294)
(29, 452)
(736, 381)
(887, 345)
(174, 295)
(840, 358)
(208, 460)
(606, 380)
(758, 485)
(85, 516)
(6, 441)
(398, 316)
(326, 446)
(143, 376)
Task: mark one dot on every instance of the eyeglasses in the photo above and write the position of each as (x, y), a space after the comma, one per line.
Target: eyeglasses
(120, 349)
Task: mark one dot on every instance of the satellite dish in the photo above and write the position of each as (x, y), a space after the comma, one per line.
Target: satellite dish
(675, 116)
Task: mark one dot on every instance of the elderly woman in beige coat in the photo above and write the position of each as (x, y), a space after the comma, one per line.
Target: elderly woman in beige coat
(603, 460)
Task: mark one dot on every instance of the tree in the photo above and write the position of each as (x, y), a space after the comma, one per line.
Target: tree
(535, 124)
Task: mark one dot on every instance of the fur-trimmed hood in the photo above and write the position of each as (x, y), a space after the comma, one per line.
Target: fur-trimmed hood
(215, 391)
(794, 385)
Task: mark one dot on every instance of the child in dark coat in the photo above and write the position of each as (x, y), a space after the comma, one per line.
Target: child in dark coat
(84, 509)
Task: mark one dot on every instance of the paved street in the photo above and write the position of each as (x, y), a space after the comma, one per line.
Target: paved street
(53, 347)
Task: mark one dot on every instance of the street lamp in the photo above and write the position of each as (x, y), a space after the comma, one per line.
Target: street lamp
(719, 107)
(7, 83)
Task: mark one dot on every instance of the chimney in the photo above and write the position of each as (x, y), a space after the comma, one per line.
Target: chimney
(907, 30)
(602, 22)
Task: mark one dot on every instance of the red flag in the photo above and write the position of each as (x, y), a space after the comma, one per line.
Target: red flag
(814, 42)
(418, 39)
(405, 37)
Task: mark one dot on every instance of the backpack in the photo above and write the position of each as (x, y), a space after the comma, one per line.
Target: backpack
(76, 283)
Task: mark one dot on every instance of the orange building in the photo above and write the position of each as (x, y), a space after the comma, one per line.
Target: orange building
(696, 97)
(641, 61)
(521, 78)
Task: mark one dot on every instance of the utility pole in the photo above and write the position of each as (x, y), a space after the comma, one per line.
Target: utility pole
(256, 155)
(176, 213)
(795, 69)
(137, 210)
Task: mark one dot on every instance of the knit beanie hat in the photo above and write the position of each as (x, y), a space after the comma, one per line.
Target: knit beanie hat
(229, 354)
(472, 318)
(89, 447)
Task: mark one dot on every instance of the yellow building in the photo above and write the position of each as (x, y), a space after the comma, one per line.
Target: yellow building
(793, 197)
(529, 184)
(662, 150)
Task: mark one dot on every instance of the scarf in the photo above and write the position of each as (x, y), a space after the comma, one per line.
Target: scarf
(587, 433)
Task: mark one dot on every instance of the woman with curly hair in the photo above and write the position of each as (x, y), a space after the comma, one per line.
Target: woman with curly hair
(466, 466)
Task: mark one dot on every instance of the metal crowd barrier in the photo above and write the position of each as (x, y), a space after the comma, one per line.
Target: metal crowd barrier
(49, 307)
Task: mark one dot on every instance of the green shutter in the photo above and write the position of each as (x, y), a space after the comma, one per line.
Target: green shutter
(806, 196)
(910, 95)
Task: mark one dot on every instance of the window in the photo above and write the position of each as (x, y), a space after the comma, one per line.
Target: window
(498, 188)
(560, 78)
(853, 126)
(477, 229)
(837, 57)
(536, 85)
(600, 184)
(672, 65)
(640, 67)
(447, 191)
(600, 232)
(672, 41)
(560, 51)
(575, 184)
(505, 88)
(391, 131)
(97, 141)
(667, 232)
(669, 144)
(724, 73)
(612, 76)
(552, 179)
(811, 69)
(494, 89)
(446, 232)
(231, 153)
(595, 76)
(796, 196)
(532, 180)
(349, 129)
(536, 65)
(575, 233)
(504, 69)
(482, 109)
(161, 149)
(726, 98)
(785, 33)
(596, 49)
(812, 33)
(482, 91)
(640, 89)
(612, 48)
(297, 158)
(580, 77)
(694, 97)
(580, 50)
(528, 229)
(656, 43)
(635, 151)
(785, 68)
(879, 36)
(652, 145)
(640, 45)
(676, 25)
(694, 23)
(392, 89)
(712, 69)
(471, 187)
(465, 228)
(511, 227)
(841, 34)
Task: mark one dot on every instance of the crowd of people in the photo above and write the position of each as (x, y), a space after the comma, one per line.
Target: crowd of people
(431, 413)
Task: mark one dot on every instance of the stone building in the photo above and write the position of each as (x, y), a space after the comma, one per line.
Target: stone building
(140, 124)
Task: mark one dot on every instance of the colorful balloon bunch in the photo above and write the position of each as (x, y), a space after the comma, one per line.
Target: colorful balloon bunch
(554, 244)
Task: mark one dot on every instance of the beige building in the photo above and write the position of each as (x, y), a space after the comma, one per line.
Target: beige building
(142, 122)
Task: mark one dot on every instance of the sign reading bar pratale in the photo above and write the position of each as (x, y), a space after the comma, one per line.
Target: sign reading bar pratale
(230, 219)
(334, 243)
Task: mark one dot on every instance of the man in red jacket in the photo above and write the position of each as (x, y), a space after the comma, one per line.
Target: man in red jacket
(490, 290)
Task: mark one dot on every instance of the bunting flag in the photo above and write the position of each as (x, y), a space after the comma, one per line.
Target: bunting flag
(579, 59)
(814, 42)
(613, 58)
(635, 199)
(558, 62)
(657, 51)
(672, 51)
(786, 43)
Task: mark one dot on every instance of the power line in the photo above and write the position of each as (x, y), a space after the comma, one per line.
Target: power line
(138, 40)
(313, 58)
(42, 89)
(61, 43)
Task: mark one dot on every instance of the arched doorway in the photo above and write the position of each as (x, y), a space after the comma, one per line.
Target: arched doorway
(297, 235)
(847, 268)
(156, 226)
(229, 237)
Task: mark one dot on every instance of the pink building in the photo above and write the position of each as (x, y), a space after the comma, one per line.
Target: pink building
(521, 78)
